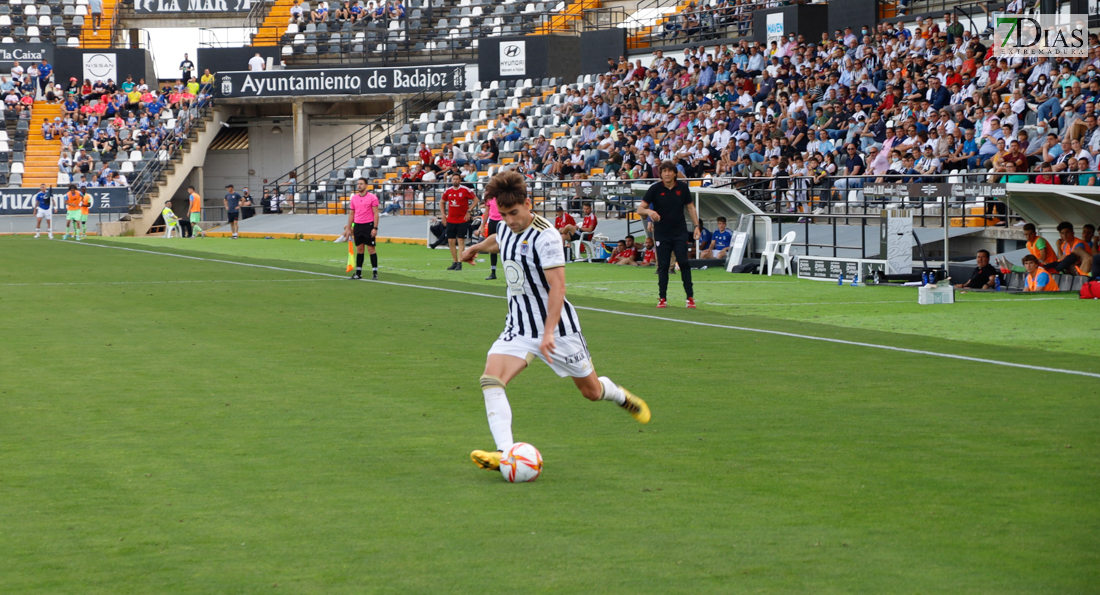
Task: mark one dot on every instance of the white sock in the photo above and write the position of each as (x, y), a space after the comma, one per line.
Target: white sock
(499, 413)
(611, 391)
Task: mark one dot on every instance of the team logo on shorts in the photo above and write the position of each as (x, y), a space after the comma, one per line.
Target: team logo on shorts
(523, 249)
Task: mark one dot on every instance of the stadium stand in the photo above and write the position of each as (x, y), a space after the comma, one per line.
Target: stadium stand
(16, 108)
(42, 154)
(656, 23)
(102, 135)
(768, 101)
(421, 30)
(64, 23)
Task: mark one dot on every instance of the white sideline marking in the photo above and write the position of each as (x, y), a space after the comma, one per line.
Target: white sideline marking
(164, 282)
(693, 281)
(645, 316)
(1017, 300)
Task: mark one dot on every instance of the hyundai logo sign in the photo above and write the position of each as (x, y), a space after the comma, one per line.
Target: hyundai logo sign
(513, 58)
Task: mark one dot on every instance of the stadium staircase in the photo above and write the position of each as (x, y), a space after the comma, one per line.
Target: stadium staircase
(89, 38)
(42, 155)
(568, 17)
(658, 15)
(160, 179)
(467, 118)
(326, 181)
(274, 22)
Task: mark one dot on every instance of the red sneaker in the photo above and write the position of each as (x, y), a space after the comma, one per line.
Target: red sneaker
(663, 303)
(691, 303)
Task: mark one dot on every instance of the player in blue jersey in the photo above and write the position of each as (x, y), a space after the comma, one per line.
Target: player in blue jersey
(43, 206)
(704, 240)
(720, 240)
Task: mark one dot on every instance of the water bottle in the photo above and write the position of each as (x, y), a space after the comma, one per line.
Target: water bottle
(855, 280)
(924, 278)
(996, 282)
(840, 279)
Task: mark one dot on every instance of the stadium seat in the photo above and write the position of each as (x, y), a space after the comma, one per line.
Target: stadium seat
(777, 250)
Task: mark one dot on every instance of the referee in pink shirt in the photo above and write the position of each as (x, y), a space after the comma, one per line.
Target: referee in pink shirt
(362, 225)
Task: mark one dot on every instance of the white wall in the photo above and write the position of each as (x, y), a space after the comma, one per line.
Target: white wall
(269, 155)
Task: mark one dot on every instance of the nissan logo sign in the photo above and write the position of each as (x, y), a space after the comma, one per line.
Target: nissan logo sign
(99, 65)
(511, 51)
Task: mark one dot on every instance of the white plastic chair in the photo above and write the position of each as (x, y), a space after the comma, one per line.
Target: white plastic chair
(588, 246)
(777, 251)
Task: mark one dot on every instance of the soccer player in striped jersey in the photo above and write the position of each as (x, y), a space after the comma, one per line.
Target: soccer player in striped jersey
(541, 322)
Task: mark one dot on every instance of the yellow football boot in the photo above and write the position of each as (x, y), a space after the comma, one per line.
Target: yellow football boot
(491, 459)
(635, 406)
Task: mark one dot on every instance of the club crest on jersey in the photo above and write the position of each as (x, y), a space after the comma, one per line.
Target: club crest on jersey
(523, 248)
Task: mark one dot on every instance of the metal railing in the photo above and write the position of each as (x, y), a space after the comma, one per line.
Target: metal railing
(167, 151)
(612, 197)
(356, 144)
(257, 13)
(405, 45)
(907, 10)
(822, 214)
(119, 38)
(713, 24)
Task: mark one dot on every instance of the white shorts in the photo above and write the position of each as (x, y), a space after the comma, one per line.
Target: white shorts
(45, 213)
(571, 357)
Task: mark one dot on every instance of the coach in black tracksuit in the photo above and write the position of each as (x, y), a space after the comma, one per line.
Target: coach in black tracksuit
(664, 203)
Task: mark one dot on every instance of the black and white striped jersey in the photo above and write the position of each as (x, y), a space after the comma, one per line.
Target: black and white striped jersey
(526, 256)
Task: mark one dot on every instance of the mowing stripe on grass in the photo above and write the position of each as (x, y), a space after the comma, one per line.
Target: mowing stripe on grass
(645, 316)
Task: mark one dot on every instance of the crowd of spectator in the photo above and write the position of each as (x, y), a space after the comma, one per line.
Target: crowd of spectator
(21, 85)
(911, 103)
(107, 130)
(302, 13)
(705, 20)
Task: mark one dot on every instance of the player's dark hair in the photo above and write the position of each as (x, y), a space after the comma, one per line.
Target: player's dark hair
(667, 165)
(1065, 225)
(72, 186)
(190, 187)
(1029, 227)
(1089, 226)
(986, 252)
(364, 180)
(509, 188)
(721, 219)
(1030, 258)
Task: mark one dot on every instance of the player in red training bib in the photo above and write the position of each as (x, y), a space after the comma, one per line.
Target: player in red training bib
(457, 200)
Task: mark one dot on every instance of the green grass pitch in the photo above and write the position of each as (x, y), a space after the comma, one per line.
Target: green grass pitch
(172, 425)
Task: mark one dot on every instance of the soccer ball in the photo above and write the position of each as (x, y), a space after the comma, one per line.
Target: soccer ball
(521, 463)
